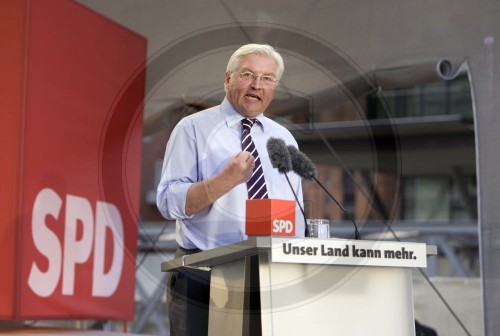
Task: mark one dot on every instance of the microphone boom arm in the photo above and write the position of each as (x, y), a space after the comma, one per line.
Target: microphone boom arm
(357, 236)
(306, 233)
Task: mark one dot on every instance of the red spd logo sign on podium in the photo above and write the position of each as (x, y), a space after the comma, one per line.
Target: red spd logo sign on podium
(270, 217)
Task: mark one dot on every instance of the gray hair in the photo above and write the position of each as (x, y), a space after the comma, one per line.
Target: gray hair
(259, 49)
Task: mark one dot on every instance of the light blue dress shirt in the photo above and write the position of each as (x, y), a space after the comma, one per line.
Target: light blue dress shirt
(199, 147)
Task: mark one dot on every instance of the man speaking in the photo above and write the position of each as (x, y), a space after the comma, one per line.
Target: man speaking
(215, 160)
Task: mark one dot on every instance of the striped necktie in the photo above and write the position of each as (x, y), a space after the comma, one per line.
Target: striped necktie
(256, 184)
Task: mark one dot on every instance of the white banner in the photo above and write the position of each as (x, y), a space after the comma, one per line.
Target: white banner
(348, 252)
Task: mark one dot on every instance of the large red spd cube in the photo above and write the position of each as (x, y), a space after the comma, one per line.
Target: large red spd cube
(71, 102)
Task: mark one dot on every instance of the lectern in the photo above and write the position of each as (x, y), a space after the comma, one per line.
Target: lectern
(307, 286)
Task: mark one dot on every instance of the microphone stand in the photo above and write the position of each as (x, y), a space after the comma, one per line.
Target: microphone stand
(306, 232)
(357, 236)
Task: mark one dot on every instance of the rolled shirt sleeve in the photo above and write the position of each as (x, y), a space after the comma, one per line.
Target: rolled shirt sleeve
(179, 172)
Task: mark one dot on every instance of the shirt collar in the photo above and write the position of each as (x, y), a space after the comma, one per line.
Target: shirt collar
(234, 117)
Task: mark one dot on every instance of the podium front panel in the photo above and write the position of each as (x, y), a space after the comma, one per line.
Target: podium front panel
(321, 299)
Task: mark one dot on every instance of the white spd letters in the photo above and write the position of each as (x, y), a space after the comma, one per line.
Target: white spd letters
(282, 226)
(77, 245)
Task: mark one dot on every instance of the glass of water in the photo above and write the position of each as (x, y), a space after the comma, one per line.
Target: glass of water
(319, 228)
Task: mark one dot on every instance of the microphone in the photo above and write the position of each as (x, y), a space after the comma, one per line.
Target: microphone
(304, 167)
(281, 160)
(279, 155)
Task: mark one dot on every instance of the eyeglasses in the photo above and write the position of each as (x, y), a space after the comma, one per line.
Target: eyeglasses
(250, 76)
